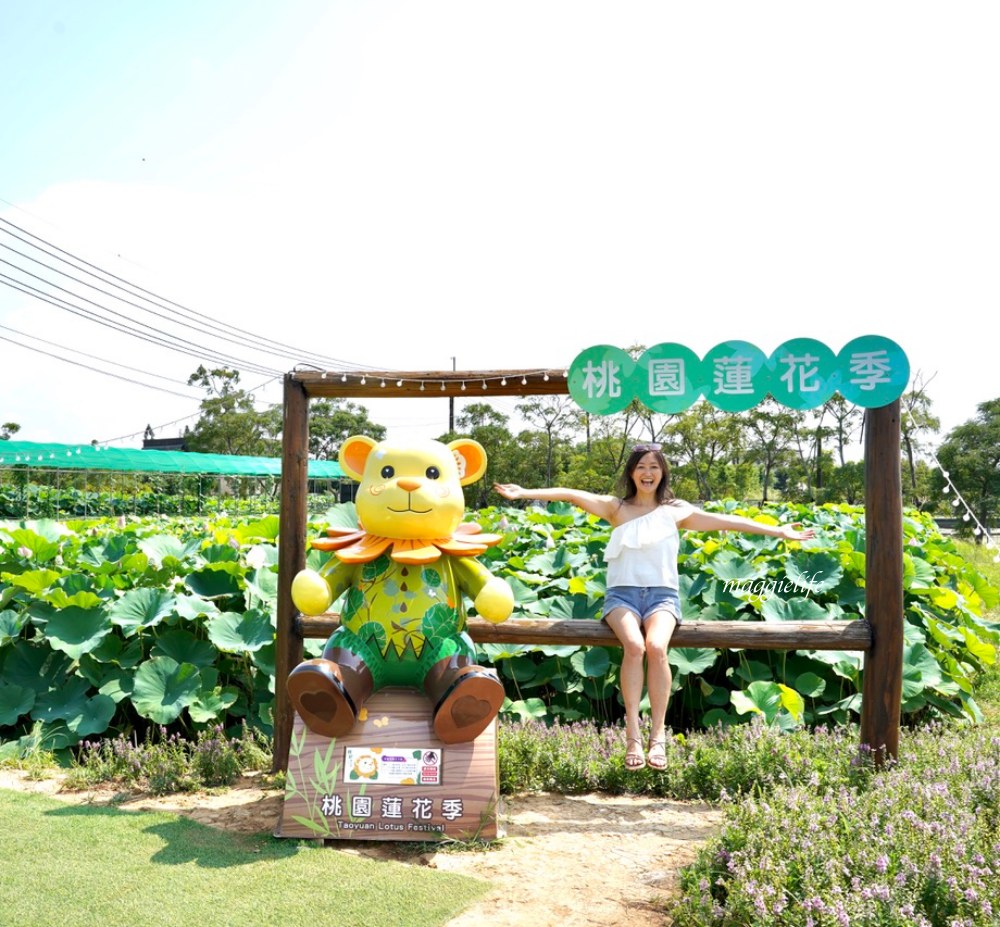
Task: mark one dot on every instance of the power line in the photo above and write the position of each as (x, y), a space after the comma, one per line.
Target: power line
(95, 370)
(193, 350)
(245, 339)
(185, 418)
(103, 360)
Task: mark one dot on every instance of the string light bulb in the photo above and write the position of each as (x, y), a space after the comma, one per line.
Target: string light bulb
(343, 379)
(463, 386)
(363, 381)
(382, 384)
(503, 381)
(484, 384)
(399, 383)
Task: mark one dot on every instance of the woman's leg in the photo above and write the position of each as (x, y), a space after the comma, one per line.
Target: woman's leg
(626, 627)
(659, 628)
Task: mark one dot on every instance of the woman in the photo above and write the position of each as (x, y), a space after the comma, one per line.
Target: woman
(642, 603)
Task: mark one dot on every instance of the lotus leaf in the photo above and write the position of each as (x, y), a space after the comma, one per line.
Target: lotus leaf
(691, 660)
(810, 685)
(11, 624)
(761, 698)
(797, 609)
(164, 688)
(76, 631)
(591, 662)
(526, 709)
(14, 702)
(727, 565)
(142, 608)
(184, 647)
(33, 581)
(816, 572)
(164, 548)
(215, 580)
(241, 633)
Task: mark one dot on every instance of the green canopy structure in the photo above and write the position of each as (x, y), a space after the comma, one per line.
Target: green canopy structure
(42, 456)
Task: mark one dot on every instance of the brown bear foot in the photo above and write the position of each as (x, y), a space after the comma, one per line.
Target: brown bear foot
(319, 696)
(469, 705)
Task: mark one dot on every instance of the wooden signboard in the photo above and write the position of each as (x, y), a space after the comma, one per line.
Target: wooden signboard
(390, 779)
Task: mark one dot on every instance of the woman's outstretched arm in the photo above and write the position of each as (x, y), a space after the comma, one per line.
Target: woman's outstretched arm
(601, 506)
(711, 521)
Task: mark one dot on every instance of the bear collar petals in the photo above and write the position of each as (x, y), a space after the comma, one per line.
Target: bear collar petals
(358, 546)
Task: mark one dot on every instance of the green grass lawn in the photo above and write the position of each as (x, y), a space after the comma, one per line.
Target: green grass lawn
(91, 866)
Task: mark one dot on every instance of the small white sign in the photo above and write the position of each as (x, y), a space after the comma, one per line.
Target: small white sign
(394, 765)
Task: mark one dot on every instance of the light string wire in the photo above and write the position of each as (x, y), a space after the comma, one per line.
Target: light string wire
(978, 528)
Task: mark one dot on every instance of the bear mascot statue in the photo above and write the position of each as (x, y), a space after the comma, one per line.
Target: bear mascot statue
(404, 574)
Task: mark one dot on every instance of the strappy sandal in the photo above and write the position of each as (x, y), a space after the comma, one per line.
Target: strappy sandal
(634, 758)
(657, 760)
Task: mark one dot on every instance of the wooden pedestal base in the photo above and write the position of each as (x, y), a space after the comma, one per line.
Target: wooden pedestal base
(390, 778)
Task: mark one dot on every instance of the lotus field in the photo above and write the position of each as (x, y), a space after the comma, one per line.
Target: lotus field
(120, 626)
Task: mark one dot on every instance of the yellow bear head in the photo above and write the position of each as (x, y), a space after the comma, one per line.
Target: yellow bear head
(412, 489)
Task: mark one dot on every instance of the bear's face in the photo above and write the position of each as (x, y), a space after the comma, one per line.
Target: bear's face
(411, 490)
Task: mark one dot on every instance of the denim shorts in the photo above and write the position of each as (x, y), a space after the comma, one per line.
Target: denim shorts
(642, 601)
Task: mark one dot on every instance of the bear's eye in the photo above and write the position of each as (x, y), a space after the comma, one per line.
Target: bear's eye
(387, 472)
(433, 473)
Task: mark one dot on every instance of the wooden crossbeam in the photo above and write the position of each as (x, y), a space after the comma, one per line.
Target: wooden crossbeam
(717, 635)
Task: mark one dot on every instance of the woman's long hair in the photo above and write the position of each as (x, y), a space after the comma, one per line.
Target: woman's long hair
(627, 487)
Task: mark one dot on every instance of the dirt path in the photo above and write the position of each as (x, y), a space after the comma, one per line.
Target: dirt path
(566, 860)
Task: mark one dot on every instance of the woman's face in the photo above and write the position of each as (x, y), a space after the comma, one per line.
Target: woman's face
(647, 473)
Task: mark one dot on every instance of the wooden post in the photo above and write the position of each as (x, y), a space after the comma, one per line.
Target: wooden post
(882, 685)
(291, 557)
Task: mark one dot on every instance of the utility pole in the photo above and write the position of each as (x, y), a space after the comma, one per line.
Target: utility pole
(451, 406)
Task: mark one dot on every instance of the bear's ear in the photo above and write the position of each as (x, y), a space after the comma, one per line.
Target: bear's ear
(353, 455)
(471, 459)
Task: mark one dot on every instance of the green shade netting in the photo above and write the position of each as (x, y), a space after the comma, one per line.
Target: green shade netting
(41, 456)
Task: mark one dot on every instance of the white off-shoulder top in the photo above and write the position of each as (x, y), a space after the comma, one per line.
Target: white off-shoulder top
(643, 551)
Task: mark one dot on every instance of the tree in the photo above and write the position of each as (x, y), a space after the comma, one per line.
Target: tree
(772, 432)
(971, 457)
(915, 425)
(814, 461)
(846, 483)
(332, 421)
(709, 447)
(847, 419)
(8, 430)
(555, 415)
(229, 422)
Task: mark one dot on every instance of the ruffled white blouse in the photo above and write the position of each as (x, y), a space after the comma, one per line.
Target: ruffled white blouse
(643, 551)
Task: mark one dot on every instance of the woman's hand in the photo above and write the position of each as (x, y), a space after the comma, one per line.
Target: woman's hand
(795, 532)
(509, 490)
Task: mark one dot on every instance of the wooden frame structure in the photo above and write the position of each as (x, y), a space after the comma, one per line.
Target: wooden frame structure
(879, 635)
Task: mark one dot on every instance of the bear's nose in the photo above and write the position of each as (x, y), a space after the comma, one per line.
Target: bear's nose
(408, 484)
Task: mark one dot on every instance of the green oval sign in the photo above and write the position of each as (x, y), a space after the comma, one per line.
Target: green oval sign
(736, 376)
(873, 371)
(668, 378)
(803, 373)
(600, 379)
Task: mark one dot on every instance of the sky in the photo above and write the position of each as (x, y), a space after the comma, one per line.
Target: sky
(482, 185)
